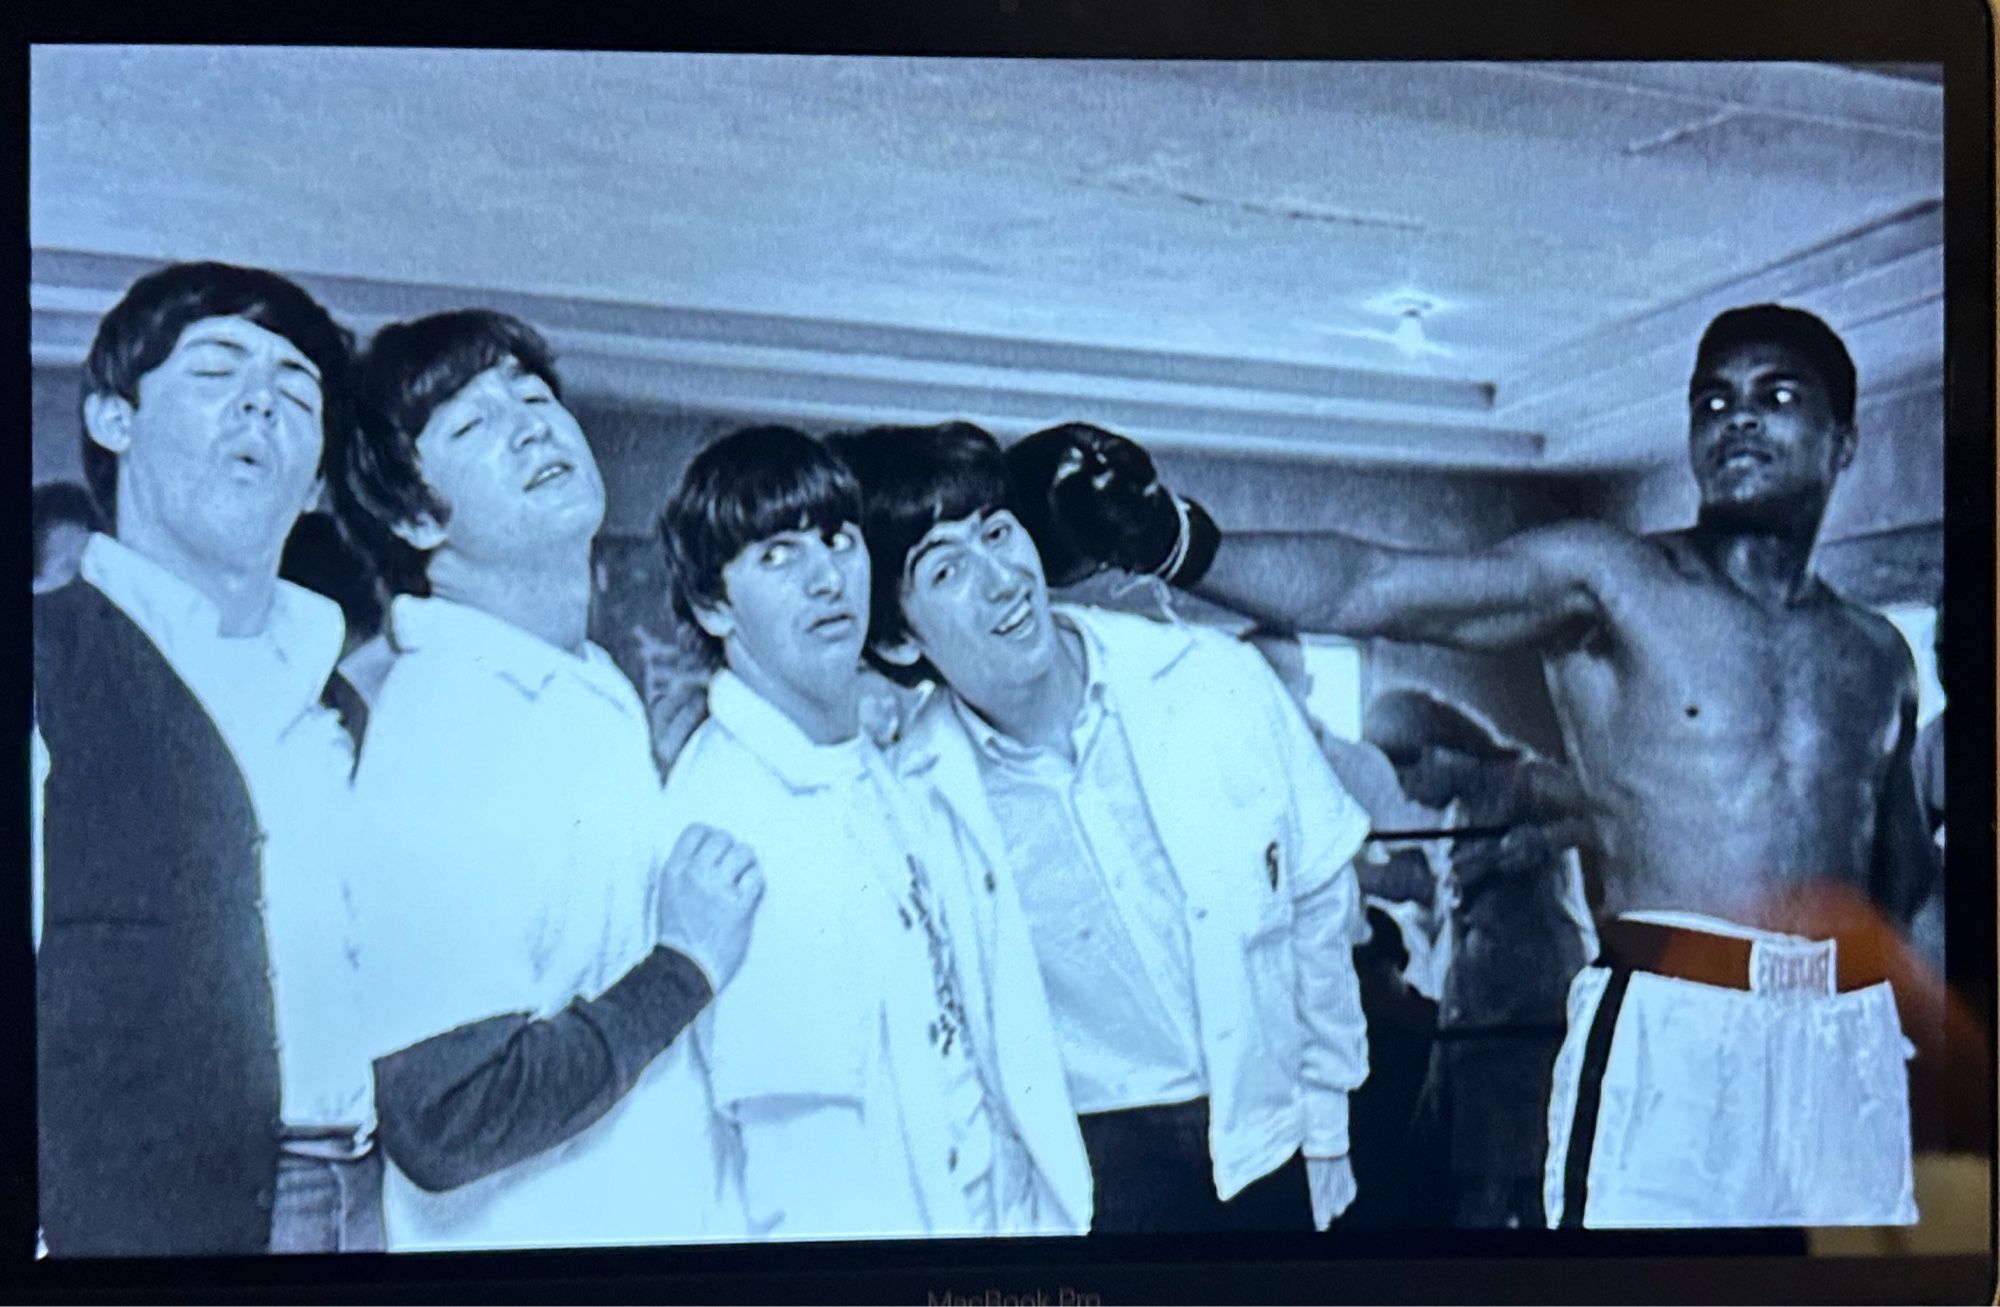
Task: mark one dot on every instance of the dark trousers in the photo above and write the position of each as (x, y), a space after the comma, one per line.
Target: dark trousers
(1395, 1185)
(1152, 1173)
(1484, 1113)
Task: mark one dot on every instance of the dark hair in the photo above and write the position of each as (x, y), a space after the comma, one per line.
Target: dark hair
(142, 329)
(59, 503)
(1399, 722)
(407, 372)
(744, 487)
(319, 556)
(1779, 324)
(911, 479)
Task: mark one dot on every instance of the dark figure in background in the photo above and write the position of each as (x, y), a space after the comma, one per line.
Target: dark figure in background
(1519, 930)
(320, 557)
(64, 517)
(1745, 733)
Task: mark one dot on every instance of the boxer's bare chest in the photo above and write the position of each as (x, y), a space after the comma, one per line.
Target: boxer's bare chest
(1736, 744)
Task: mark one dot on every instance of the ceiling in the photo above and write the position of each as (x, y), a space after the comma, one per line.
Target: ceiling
(1214, 254)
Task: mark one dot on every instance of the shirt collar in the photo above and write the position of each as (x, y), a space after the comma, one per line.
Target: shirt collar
(527, 662)
(305, 628)
(1096, 694)
(778, 742)
(1164, 644)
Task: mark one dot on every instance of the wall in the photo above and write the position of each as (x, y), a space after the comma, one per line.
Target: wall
(1881, 542)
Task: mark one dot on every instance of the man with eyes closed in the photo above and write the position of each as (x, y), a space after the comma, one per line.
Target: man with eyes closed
(203, 1087)
(1744, 733)
(532, 945)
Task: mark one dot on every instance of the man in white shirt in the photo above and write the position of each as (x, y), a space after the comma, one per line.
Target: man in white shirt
(531, 950)
(884, 1064)
(202, 1081)
(1179, 847)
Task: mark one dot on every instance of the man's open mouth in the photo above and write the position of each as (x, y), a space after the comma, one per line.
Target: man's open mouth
(833, 624)
(248, 458)
(1740, 454)
(548, 473)
(1014, 618)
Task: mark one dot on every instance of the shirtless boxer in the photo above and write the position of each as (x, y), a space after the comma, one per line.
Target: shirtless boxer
(1746, 735)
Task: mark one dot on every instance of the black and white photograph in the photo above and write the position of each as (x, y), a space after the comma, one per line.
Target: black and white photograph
(663, 649)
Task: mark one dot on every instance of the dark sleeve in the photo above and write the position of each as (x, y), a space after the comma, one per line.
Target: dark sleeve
(469, 1102)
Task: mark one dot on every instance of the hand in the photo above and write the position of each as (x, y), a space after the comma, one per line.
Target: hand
(705, 899)
(1521, 850)
(1331, 1180)
(1405, 878)
(1091, 498)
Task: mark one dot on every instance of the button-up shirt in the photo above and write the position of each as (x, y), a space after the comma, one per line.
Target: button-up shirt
(515, 829)
(263, 693)
(1107, 913)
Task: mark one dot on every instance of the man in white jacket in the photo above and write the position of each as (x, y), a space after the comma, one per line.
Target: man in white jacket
(534, 942)
(883, 1065)
(1179, 847)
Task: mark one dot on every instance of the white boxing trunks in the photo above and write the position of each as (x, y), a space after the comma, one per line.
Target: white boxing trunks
(1717, 1076)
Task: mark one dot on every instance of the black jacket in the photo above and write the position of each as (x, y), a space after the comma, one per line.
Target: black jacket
(156, 1046)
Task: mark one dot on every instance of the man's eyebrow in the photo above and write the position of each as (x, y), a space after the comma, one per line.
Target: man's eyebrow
(917, 554)
(223, 342)
(1790, 376)
(238, 348)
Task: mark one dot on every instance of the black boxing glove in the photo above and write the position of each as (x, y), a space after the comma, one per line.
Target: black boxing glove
(1090, 498)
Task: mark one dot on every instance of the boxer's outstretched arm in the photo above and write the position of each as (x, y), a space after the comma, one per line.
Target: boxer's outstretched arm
(1517, 592)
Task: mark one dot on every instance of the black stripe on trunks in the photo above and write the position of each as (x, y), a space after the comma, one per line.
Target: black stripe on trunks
(1589, 1097)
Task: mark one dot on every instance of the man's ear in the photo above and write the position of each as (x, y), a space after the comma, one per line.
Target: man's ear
(901, 651)
(422, 533)
(1845, 440)
(107, 419)
(315, 496)
(716, 619)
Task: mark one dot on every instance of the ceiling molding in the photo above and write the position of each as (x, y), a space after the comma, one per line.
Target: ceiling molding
(826, 370)
(67, 278)
(1886, 269)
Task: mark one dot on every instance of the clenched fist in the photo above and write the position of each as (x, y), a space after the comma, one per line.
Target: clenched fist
(705, 899)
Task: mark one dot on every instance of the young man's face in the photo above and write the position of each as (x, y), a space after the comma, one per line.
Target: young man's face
(1761, 429)
(794, 615)
(977, 605)
(221, 452)
(512, 465)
